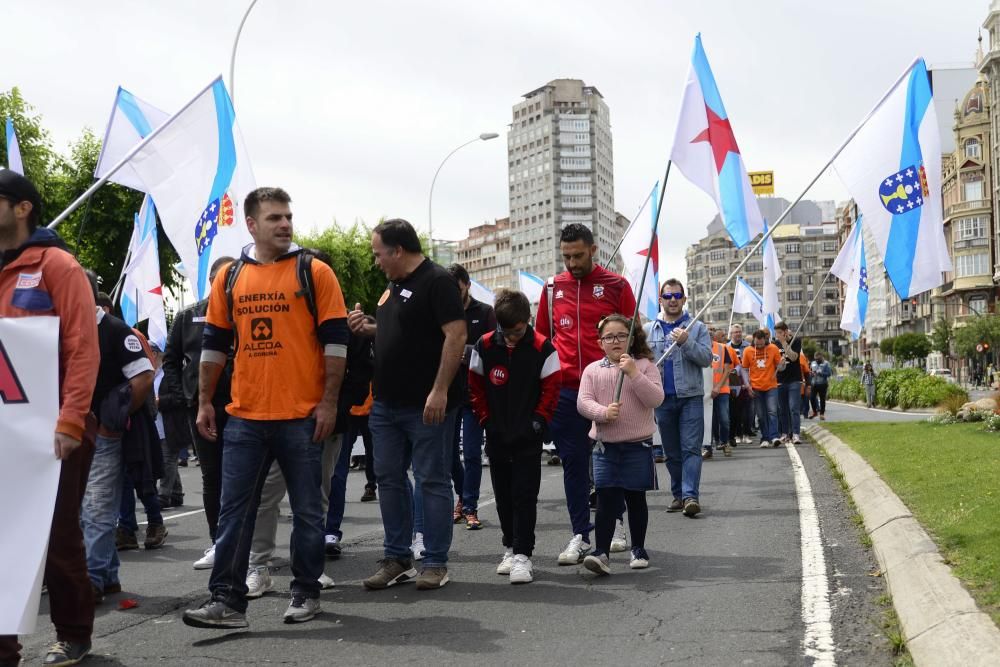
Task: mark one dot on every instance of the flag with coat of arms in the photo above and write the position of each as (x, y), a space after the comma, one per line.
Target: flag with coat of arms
(198, 173)
(851, 267)
(892, 168)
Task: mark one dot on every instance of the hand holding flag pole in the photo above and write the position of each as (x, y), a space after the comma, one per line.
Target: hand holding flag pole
(770, 230)
(642, 282)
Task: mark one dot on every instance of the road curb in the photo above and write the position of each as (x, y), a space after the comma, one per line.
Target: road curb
(940, 621)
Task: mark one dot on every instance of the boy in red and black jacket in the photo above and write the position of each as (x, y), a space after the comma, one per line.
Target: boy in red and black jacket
(514, 379)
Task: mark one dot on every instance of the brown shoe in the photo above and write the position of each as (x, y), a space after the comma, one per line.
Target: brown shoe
(457, 515)
(155, 535)
(472, 521)
(691, 507)
(676, 505)
(125, 540)
(431, 578)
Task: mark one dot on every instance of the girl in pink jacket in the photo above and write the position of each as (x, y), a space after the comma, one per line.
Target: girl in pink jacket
(623, 431)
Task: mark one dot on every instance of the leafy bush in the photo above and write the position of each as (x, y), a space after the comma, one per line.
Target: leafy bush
(952, 404)
(944, 418)
(889, 382)
(846, 389)
(992, 423)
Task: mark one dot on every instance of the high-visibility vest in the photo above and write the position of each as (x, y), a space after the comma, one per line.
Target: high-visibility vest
(720, 354)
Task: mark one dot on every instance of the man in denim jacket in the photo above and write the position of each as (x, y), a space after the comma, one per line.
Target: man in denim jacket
(681, 416)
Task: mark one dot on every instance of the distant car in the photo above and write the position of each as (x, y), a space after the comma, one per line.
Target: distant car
(943, 373)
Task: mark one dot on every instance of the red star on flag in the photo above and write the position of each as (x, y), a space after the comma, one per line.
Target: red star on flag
(719, 134)
(158, 290)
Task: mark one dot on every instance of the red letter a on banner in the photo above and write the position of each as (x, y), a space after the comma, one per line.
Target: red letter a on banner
(11, 390)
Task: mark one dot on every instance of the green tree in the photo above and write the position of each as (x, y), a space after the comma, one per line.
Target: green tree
(886, 345)
(36, 148)
(911, 346)
(351, 251)
(985, 329)
(809, 348)
(941, 336)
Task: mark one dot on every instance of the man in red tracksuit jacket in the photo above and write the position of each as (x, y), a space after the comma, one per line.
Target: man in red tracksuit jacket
(582, 296)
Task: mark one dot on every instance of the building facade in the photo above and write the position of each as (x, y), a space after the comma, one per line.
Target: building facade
(560, 171)
(806, 248)
(485, 254)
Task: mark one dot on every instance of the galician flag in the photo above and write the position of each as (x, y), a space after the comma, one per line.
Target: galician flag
(481, 292)
(142, 292)
(131, 120)
(705, 151)
(892, 168)
(531, 285)
(747, 300)
(198, 172)
(13, 150)
(772, 272)
(852, 268)
(634, 248)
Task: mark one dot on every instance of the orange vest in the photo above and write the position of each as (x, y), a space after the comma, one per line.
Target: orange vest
(721, 353)
(366, 407)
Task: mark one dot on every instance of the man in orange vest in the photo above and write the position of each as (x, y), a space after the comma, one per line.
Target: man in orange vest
(723, 361)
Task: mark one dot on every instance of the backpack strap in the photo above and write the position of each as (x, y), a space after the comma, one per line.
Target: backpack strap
(550, 288)
(232, 274)
(303, 269)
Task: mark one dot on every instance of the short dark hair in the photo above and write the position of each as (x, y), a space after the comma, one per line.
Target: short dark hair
(761, 333)
(251, 205)
(781, 325)
(218, 264)
(576, 231)
(398, 233)
(459, 273)
(104, 301)
(321, 255)
(511, 308)
(673, 281)
(93, 280)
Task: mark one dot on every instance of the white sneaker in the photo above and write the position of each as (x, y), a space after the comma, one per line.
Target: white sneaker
(796, 440)
(520, 572)
(640, 559)
(620, 541)
(418, 546)
(325, 582)
(258, 582)
(301, 609)
(507, 562)
(206, 562)
(574, 551)
(764, 444)
(777, 442)
(746, 440)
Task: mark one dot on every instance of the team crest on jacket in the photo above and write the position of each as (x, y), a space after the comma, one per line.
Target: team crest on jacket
(566, 322)
(598, 291)
(559, 294)
(499, 376)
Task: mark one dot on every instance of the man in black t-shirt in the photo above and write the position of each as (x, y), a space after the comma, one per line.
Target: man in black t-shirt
(421, 334)
(123, 359)
(789, 384)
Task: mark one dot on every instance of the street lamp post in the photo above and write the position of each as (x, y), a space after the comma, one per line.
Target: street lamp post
(485, 136)
(232, 58)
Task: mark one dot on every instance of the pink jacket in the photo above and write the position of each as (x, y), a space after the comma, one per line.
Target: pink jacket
(640, 395)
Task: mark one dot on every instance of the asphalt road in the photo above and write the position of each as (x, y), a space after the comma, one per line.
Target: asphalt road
(723, 589)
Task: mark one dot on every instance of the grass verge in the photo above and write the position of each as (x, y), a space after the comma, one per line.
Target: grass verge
(949, 477)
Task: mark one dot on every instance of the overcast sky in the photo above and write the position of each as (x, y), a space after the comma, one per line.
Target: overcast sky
(351, 106)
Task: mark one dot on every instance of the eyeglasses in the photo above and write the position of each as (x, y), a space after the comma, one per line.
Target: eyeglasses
(667, 296)
(614, 338)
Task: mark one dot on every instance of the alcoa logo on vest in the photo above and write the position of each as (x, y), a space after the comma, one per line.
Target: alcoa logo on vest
(11, 389)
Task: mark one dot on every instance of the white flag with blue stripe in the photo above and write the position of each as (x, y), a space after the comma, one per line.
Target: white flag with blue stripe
(772, 272)
(131, 120)
(13, 150)
(634, 248)
(892, 168)
(481, 292)
(851, 267)
(531, 285)
(747, 300)
(142, 292)
(198, 172)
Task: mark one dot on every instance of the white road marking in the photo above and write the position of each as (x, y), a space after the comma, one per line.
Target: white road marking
(818, 642)
(167, 517)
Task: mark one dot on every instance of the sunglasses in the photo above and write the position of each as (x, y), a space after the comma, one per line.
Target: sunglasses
(667, 296)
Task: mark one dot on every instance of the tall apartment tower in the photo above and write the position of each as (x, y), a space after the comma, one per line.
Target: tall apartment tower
(560, 171)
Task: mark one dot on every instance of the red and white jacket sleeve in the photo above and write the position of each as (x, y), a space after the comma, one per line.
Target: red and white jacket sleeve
(551, 378)
(477, 385)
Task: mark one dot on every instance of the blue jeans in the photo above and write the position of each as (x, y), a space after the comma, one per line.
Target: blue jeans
(570, 432)
(400, 438)
(682, 429)
(338, 491)
(789, 407)
(720, 419)
(251, 447)
(766, 404)
(126, 511)
(99, 512)
(472, 450)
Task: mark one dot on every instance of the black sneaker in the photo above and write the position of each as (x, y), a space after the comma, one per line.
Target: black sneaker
(215, 614)
(98, 594)
(66, 653)
(369, 495)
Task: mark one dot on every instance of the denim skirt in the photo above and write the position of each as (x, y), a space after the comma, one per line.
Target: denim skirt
(626, 465)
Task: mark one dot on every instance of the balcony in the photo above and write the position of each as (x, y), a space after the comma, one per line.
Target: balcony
(970, 243)
(966, 206)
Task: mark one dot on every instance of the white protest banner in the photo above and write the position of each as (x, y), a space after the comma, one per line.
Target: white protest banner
(29, 476)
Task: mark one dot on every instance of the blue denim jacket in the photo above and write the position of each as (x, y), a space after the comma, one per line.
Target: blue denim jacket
(689, 358)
